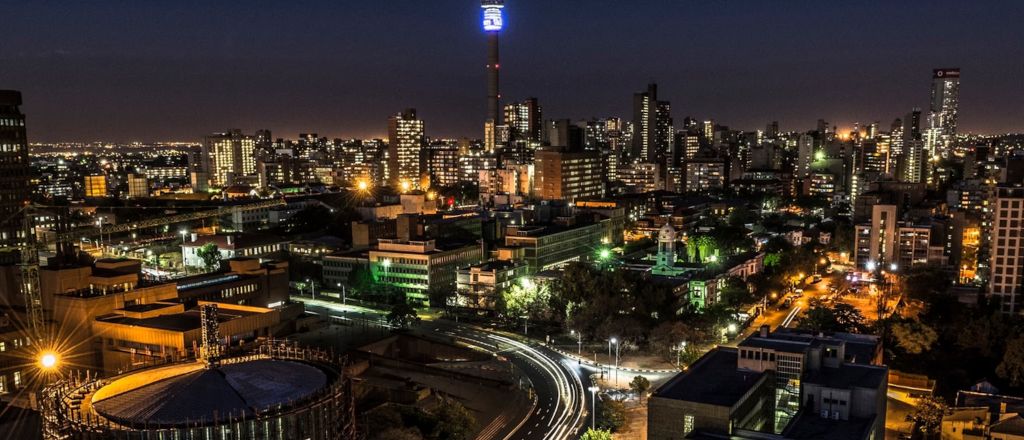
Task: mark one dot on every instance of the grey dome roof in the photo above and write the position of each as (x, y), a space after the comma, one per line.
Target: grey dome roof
(203, 395)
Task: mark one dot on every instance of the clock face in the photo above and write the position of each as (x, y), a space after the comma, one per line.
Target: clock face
(492, 19)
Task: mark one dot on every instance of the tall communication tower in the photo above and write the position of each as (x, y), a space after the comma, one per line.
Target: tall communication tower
(493, 21)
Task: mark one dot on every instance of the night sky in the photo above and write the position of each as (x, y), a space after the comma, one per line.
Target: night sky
(176, 70)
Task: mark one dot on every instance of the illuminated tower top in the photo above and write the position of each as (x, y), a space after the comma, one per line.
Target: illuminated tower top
(492, 14)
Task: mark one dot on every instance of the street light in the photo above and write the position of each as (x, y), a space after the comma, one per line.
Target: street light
(183, 233)
(579, 342)
(48, 360)
(616, 342)
(871, 266)
(593, 406)
(682, 348)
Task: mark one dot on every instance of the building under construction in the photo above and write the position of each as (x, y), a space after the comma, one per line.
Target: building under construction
(276, 391)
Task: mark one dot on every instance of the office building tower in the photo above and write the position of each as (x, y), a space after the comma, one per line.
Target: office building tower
(493, 21)
(896, 140)
(95, 185)
(567, 175)
(595, 134)
(138, 186)
(524, 120)
(652, 125)
(942, 119)
(913, 161)
(1006, 280)
(227, 157)
(405, 147)
(15, 173)
(706, 174)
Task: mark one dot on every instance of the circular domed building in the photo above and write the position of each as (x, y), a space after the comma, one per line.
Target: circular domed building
(279, 391)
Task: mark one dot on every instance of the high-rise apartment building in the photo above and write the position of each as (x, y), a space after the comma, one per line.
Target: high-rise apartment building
(1006, 279)
(524, 120)
(229, 156)
(443, 163)
(563, 175)
(805, 155)
(942, 119)
(405, 149)
(652, 125)
(886, 242)
(15, 172)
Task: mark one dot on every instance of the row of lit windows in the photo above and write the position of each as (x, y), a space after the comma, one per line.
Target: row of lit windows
(240, 290)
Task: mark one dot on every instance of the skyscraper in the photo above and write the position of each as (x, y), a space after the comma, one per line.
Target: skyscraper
(15, 173)
(652, 125)
(405, 146)
(943, 117)
(492, 23)
(228, 156)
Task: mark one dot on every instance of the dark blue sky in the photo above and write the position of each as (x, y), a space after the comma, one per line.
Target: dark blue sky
(175, 70)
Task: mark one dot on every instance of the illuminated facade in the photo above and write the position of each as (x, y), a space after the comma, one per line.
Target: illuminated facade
(945, 102)
(227, 157)
(405, 148)
(14, 170)
(524, 120)
(652, 125)
(1007, 244)
(96, 185)
(567, 175)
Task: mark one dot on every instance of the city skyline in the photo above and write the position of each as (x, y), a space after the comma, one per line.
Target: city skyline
(163, 74)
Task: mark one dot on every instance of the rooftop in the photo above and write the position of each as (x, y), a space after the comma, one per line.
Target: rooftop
(849, 376)
(713, 379)
(811, 427)
(179, 322)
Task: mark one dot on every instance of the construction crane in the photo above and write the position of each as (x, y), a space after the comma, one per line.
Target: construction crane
(29, 266)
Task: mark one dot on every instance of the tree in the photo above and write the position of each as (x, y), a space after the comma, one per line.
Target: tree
(209, 255)
(611, 415)
(927, 414)
(1011, 367)
(454, 422)
(401, 315)
(914, 337)
(525, 298)
(841, 317)
(597, 434)
(741, 215)
(735, 294)
(640, 385)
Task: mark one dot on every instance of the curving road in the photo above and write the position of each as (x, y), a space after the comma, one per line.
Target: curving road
(560, 384)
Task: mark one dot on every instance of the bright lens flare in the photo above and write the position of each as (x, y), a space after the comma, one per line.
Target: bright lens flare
(48, 360)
